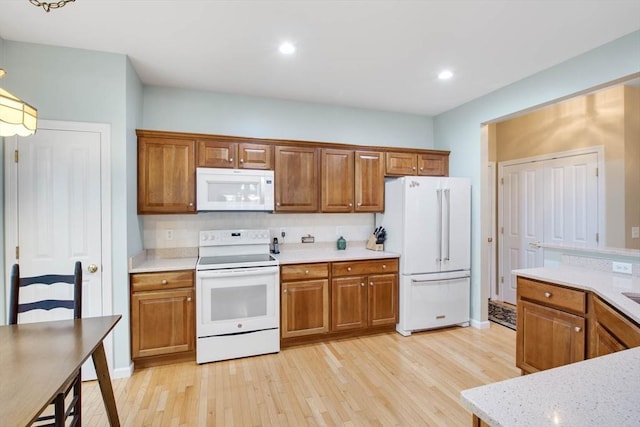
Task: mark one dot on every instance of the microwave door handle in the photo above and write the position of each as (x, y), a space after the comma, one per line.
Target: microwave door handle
(241, 272)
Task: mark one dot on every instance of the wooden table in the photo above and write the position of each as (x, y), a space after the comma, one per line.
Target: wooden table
(37, 359)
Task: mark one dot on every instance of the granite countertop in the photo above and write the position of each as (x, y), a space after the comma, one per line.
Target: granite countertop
(608, 286)
(298, 253)
(602, 391)
(149, 261)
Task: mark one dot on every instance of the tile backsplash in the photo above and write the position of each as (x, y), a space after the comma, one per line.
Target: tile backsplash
(182, 231)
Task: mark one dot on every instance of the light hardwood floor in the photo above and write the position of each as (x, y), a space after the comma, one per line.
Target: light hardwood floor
(377, 380)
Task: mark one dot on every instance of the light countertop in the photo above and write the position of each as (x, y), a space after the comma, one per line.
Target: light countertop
(609, 286)
(299, 253)
(149, 261)
(604, 391)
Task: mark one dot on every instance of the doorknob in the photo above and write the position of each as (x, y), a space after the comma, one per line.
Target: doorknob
(92, 268)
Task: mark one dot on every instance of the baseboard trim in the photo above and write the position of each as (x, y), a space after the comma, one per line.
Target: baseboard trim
(122, 372)
(480, 324)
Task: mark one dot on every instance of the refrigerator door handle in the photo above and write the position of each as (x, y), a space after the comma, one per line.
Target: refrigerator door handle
(439, 196)
(447, 196)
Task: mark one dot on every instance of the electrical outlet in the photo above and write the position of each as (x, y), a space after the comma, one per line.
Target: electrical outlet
(635, 232)
(621, 267)
(282, 232)
(169, 235)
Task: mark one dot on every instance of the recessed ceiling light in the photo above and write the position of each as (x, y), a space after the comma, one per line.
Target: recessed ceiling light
(445, 75)
(287, 48)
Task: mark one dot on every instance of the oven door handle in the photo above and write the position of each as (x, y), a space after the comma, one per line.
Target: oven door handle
(238, 272)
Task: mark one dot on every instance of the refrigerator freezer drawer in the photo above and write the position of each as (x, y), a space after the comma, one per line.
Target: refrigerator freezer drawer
(428, 304)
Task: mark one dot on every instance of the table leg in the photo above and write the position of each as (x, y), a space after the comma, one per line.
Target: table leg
(104, 379)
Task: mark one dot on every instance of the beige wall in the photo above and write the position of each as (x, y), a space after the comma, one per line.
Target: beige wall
(592, 120)
(632, 163)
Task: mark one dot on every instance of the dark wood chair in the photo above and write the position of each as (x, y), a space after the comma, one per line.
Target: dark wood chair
(61, 411)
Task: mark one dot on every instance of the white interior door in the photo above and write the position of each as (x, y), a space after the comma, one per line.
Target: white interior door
(522, 223)
(571, 200)
(490, 247)
(59, 213)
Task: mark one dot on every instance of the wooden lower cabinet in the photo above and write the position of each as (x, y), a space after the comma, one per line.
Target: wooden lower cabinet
(551, 324)
(304, 302)
(610, 330)
(162, 317)
(338, 299)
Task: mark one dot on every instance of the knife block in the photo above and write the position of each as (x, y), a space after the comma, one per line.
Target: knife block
(373, 246)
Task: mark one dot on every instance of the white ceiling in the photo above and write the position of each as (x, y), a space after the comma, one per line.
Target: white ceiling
(382, 55)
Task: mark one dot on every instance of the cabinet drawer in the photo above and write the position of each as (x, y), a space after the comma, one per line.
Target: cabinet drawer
(161, 280)
(352, 268)
(304, 271)
(556, 296)
(624, 330)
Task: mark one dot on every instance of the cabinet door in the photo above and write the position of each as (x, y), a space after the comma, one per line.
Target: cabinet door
(397, 163)
(548, 338)
(296, 176)
(383, 299)
(433, 164)
(217, 154)
(166, 175)
(255, 156)
(337, 180)
(348, 303)
(369, 181)
(603, 342)
(304, 308)
(162, 322)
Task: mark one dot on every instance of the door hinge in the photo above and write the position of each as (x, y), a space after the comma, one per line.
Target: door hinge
(597, 237)
(501, 279)
(501, 230)
(502, 181)
(597, 172)
(17, 252)
(15, 156)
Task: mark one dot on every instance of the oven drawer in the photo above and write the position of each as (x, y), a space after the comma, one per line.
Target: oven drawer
(304, 271)
(162, 280)
(358, 268)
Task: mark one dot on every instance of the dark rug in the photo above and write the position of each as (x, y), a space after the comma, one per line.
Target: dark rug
(503, 313)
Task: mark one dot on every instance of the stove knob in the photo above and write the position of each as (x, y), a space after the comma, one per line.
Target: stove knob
(204, 237)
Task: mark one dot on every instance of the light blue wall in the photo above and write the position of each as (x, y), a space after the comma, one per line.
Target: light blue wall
(134, 98)
(215, 113)
(85, 86)
(458, 130)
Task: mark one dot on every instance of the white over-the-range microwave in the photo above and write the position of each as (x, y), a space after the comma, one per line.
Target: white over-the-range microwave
(234, 189)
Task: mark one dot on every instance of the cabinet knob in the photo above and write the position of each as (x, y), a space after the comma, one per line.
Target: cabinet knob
(164, 281)
(230, 159)
(348, 268)
(413, 168)
(306, 272)
(547, 294)
(384, 265)
(350, 204)
(190, 204)
(241, 160)
(189, 299)
(421, 169)
(370, 283)
(359, 204)
(362, 284)
(578, 328)
(278, 204)
(284, 291)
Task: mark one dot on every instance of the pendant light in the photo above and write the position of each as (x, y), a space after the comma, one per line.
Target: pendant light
(16, 116)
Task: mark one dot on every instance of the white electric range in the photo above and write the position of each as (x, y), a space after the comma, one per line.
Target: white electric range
(237, 295)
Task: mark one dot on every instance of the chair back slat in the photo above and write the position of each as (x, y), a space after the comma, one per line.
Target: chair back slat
(48, 279)
(46, 304)
(18, 282)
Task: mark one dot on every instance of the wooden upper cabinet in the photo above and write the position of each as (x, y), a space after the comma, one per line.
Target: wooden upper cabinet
(213, 153)
(337, 180)
(166, 175)
(398, 163)
(296, 175)
(369, 181)
(427, 164)
(433, 164)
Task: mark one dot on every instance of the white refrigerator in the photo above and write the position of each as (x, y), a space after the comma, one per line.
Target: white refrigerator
(428, 222)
